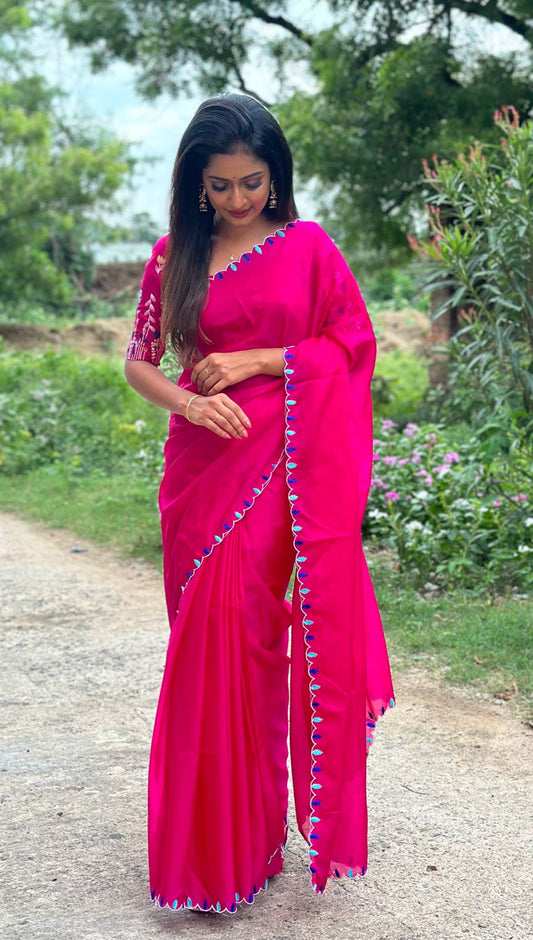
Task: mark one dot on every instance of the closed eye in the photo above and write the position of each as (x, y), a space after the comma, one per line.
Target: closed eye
(221, 189)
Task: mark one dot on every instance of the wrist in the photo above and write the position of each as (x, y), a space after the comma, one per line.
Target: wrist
(180, 407)
(271, 361)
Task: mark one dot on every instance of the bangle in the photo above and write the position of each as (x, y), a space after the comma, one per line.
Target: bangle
(187, 406)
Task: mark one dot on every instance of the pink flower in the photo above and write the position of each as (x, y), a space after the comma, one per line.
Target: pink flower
(441, 469)
(375, 456)
(390, 460)
(451, 457)
(387, 424)
(415, 458)
(496, 502)
(519, 496)
(391, 495)
(410, 429)
(432, 438)
(403, 461)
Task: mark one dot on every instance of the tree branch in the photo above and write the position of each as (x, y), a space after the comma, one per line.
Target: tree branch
(261, 14)
(245, 90)
(492, 12)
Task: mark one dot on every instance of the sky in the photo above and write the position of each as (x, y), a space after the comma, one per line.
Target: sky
(154, 128)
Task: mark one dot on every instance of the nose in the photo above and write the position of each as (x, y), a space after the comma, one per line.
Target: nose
(237, 198)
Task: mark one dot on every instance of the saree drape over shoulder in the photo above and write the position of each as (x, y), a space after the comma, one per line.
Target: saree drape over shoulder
(237, 515)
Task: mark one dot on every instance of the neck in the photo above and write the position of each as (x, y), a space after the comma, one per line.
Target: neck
(233, 235)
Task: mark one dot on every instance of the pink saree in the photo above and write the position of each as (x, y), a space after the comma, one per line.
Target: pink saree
(236, 516)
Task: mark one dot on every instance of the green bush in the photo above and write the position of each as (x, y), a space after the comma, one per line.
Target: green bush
(60, 408)
(454, 517)
(480, 214)
(399, 385)
(395, 289)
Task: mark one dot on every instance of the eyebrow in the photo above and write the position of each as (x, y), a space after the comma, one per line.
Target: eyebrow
(222, 179)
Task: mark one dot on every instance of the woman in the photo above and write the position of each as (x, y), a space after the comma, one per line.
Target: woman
(267, 463)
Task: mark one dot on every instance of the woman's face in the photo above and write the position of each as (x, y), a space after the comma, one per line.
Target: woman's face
(238, 187)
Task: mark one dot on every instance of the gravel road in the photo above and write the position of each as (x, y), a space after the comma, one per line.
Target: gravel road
(82, 649)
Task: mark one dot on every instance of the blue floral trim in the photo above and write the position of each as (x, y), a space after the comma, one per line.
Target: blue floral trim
(217, 908)
(306, 608)
(256, 250)
(228, 527)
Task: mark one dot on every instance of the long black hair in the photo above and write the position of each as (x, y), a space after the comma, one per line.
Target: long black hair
(224, 124)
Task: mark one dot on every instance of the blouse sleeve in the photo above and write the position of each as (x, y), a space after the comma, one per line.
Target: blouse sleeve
(146, 343)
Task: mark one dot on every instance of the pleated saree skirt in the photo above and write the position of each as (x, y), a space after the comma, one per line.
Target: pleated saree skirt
(218, 783)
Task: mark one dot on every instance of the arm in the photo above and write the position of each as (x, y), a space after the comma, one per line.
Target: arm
(221, 370)
(219, 413)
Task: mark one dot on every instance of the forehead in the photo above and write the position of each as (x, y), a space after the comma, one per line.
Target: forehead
(234, 165)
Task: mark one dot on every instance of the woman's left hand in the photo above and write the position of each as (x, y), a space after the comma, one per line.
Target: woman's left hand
(220, 370)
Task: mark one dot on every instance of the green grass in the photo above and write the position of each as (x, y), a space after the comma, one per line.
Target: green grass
(472, 640)
(118, 511)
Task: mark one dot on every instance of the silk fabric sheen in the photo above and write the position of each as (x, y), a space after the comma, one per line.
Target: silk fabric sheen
(235, 515)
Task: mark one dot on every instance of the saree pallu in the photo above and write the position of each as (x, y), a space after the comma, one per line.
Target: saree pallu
(236, 517)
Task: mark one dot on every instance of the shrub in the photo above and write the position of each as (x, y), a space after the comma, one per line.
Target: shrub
(453, 518)
(480, 214)
(59, 408)
(399, 385)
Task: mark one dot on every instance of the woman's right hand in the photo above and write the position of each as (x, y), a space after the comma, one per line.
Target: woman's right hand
(220, 415)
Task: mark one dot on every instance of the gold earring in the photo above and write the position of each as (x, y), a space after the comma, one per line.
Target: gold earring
(202, 199)
(273, 201)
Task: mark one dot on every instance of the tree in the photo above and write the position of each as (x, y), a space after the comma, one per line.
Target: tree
(481, 218)
(55, 179)
(390, 82)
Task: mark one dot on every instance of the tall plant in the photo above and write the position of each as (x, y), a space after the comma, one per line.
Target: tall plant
(480, 212)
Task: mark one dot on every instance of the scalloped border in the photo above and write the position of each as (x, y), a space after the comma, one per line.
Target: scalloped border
(217, 908)
(307, 621)
(237, 516)
(248, 255)
(197, 564)
(305, 606)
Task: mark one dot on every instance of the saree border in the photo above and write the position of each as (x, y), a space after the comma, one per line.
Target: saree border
(376, 708)
(305, 607)
(217, 907)
(228, 527)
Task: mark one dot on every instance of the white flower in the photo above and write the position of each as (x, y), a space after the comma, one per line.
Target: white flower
(528, 522)
(413, 524)
(377, 514)
(524, 549)
(139, 425)
(461, 504)
(422, 494)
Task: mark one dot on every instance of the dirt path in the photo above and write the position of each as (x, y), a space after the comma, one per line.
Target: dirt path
(83, 642)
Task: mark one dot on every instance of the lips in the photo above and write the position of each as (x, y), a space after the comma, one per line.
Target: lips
(240, 215)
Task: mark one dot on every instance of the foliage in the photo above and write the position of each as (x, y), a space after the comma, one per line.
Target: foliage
(393, 288)
(453, 517)
(399, 385)
(384, 83)
(481, 218)
(80, 414)
(55, 177)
